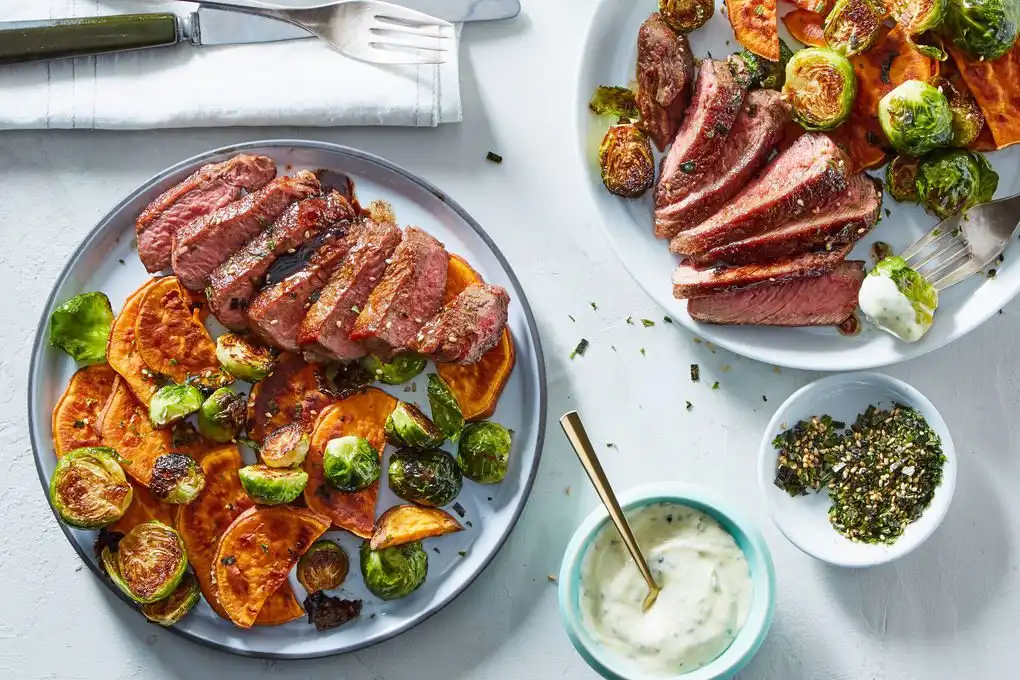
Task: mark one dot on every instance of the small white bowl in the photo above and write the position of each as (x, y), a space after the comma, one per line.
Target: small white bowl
(804, 519)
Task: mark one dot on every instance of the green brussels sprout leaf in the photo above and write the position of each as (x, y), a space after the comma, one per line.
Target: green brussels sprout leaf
(484, 452)
(684, 16)
(244, 359)
(984, 29)
(151, 561)
(221, 416)
(399, 369)
(899, 300)
(764, 74)
(396, 572)
(916, 118)
(625, 157)
(173, 403)
(446, 413)
(171, 610)
(81, 327)
(425, 477)
(176, 478)
(919, 20)
(853, 26)
(89, 489)
(610, 100)
(901, 178)
(408, 426)
(323, 567)
(272, 486)
(350, 463)
(950, 181)
(285, 446)
(821, 86)
(968, 119)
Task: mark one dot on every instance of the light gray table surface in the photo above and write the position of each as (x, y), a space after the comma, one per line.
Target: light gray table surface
(946, 611)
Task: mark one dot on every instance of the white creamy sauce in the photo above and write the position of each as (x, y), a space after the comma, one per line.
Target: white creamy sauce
(705, 598)
(889, 309)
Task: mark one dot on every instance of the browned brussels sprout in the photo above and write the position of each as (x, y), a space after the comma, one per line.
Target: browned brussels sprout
(764, 74)
(171, 610)
(397, 370)
(951, 180)
(149, 563)
(221, 416)
(350, 463)
(285, 446)
(330, 612)
(853, 26)
(408, 426)
(611, 100)
(425, 477)
(89, 489)
(967, 116)
(272, 486)
(916, 118)
(173, 403)
(821, 86)
(484, 452)
(901, 178)
(244, 359)
(393, 573)
(323, 567)
(176, 478)
(919, 19)
(684, 16)
(625, 155)
(985, 29)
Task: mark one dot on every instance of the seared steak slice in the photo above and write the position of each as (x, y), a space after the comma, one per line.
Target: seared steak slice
(466, 328)
(410, 293)
(209, 241)
(665, 70)
(843, 219)
(804, 176)
(235, 282)
(691, 282)
(758, 127)
(325, 331)
(276, 313)
(718, 92)
(825, 300)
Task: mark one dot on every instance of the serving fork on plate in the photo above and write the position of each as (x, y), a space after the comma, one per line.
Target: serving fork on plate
(964, 244)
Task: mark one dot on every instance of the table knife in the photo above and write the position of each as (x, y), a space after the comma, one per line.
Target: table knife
(27, 41)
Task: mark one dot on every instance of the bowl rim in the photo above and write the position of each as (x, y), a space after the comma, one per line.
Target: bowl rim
(734, 520)
(937, 509)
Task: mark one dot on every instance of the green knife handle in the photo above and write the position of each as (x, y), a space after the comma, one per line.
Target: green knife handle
(24, 41)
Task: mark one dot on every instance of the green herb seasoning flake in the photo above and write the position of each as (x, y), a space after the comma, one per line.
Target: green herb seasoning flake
(667, 319)
(630, 320)
(494, 157)
(715, 385)
(581, 348)
(695, 373)
(807, 452)
(647, 323)
(689, 406)
(594, 307)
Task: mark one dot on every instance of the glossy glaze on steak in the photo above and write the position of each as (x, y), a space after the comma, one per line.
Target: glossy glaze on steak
(758, 128)
(806, 175)
(665, 71)
(824, 300)
(206, 243)
(468, 327)
(209, 188)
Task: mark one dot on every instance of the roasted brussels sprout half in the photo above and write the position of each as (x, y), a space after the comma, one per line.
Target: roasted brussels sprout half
(625, 156)
(285, 446)
(176, 478)
(272, 486)
(171, 610)
(446, 413)
(330, 612)
(484, 452)
(425, 477)
(221, 416)
(408, 426)
(397, 370)
(173, 403)
(393, 573)
(88, 489)
(150, 562)
(350, 463)
(984, 29)
(684, 16)
(244, 359)
(967, 116)
(821, 86)
(919, 19)
(853, 26)
(610, 100)
(915, 117)
(81, 327)
(898, 300)
(764, 74)
(951, 180)
(323, 567)
(901, 178)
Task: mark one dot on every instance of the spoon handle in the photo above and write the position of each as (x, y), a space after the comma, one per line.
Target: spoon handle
(571, 423)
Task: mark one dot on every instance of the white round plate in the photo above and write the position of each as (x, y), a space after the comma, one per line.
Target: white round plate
(609, 59)
(107, 260)
(804, 520)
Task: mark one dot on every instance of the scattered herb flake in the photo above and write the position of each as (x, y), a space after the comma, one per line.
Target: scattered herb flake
(689, 167)
(459, 509)
(121, 260)
(581, 348)
(494, 157)
(468, 523)
(695, 373)
(764, 398)
(611, 445)
(462, 553)
(991, 273)
(667, 319)
(715, 385)
(643, 352)
(571, 317)
(689, 406)
(228, 560)
(594, 307)
(888, 213)
(630, 320)
(647, 323)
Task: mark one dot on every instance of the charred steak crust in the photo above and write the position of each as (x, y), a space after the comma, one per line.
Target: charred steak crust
(718, 93)
(235, 282)
(842, 220)
(806, 175)
(756, 131)
(665, 71)
(209, 188)
(824, 300)
(275, 315)
(410, 293)
(203, 245)
(325, 331)
(468, 327)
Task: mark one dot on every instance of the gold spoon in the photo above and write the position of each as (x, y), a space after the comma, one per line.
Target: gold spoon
(571, 423)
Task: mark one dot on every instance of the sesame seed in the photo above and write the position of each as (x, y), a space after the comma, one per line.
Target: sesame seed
(274, 322)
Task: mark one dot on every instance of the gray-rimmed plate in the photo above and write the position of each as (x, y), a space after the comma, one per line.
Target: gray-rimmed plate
(107, 261)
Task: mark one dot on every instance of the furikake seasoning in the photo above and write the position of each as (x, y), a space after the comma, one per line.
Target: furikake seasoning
(807, 454)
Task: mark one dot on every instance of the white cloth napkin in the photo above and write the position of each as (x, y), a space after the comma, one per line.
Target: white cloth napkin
(297, 82)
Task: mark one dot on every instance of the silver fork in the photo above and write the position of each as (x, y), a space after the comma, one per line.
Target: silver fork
(367, 30)
(966, 243)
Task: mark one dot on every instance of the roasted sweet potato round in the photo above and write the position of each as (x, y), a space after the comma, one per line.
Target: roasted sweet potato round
(76, 415)
(478, 386)
(407, 523)
(755, 26)
(122, 351)
(144, 508)
(295, 393)
(124, 426)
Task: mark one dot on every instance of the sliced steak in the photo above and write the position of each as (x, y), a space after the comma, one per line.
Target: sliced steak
(209, 188)
(755, 133)
(235, 282)
(466, 328)
(665, 71)
(691, 282)
(843, 219)
(325, 331)
(806, 175)
(718, 92)
(275, 315)
(410, 293)
(825, 300)
(209, 241)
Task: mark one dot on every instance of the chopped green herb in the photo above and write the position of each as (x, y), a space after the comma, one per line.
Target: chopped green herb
(612, 347)
(643, 352)
(888, 213)
(228, 560)
(764, 398)
(121, 260)
(581, 348)
(759, 10)
(715, 385)
(594, 307)
(690, 166)
(571, 317)
(630, 320)
(265, 547)
(611, 445)
(462, 553)
(667, 319)
(806, 454)
(78, 424)
(991, 273)
(689, 406)
(647, 323)
(695, 373)
(494, 157)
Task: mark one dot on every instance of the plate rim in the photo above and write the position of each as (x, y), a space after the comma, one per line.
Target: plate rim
(39, 346)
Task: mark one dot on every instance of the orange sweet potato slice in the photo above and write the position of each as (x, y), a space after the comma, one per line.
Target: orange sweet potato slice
(806, 27)
(76, 415)
(362, 414)
(172, 341)
(295, 392)
(122, 352)
(821, 7)
(124, 425)
(478, 386)
(996, 88)
(407, 523)
(257, 552)
(755, 26)
(144, 508)
(459, 275)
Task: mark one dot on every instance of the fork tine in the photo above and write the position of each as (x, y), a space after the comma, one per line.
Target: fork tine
(947, 264)
(396, 14)
(925, 241)
(952, 278)
(432, 31)
(420, 42)
(383, 53)
(934, 256)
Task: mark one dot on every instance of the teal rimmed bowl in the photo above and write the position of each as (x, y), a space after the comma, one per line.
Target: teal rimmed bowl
(759, 560)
